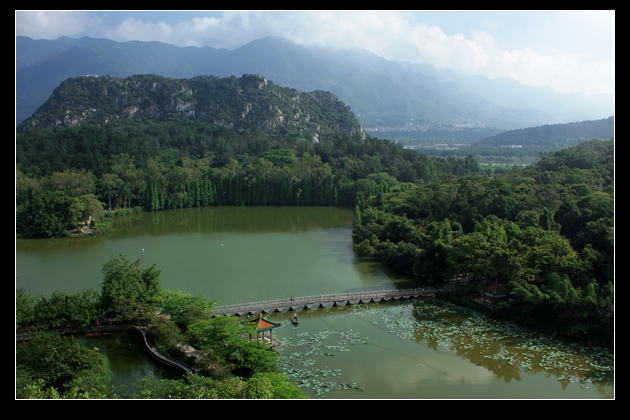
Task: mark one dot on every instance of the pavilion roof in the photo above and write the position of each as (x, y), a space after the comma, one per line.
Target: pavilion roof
(499, 289)
(262, 324)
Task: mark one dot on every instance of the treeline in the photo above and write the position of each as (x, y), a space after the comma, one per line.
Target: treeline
(545, 233)
(525, 152)
(56, 178)
(230, 366)
(437, 136)
(498, 156)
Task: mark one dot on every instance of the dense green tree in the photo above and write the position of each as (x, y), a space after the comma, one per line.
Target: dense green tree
(184, 309)
(83, 308)
(46, 215)
(110, 184)
(50, 356)
(229, 338)
(198, 388)
(279, 385)
(125, 284)
(24, 307)
(52, 311)
(260, 386)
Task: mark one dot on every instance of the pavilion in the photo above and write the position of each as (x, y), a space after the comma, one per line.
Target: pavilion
(496, 293)
(263, 326)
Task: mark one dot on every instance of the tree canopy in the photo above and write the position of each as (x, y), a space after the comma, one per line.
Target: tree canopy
(125, 284)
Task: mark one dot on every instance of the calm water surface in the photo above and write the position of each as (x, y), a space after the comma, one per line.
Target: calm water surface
(128, 360)
(395, 350)
(229, 254)
(424, 349)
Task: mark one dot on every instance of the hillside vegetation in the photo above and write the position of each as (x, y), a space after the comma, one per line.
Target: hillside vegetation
(247, 104)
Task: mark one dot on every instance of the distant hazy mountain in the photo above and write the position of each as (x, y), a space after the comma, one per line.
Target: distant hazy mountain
(554, 134)
(537, 101)
(380, 92)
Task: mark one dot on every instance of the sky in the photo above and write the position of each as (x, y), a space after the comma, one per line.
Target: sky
(570, 51)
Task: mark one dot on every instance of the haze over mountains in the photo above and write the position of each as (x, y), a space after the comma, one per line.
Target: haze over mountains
(380, 92)
(553, 134)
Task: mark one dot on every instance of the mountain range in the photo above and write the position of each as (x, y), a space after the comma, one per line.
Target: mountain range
(380, 92)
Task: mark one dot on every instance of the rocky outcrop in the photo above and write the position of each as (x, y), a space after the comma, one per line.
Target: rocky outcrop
(247, 104)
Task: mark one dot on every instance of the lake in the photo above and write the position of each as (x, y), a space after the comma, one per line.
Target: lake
(410, 349)
(229, 254)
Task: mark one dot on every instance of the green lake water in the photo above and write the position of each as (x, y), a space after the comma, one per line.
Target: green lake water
(403, 349)
(426, 349)
(127, 360)
(229, 254)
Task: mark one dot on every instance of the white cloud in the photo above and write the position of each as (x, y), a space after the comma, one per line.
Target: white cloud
(484, 39)
(53, 24)
(136, 30)
(478, 55)
(203, 23)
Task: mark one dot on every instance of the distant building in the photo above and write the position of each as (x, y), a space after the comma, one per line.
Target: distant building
(469, 125)
(420, 128)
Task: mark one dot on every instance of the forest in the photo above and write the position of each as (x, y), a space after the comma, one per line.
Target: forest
(545, 233)
(61, 171)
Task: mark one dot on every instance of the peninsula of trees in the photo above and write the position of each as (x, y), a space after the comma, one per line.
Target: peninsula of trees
(229, 365)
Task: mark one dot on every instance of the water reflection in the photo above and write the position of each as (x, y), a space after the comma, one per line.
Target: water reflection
(267, 253)
(233, 220)
(428, 349)
(128, 360)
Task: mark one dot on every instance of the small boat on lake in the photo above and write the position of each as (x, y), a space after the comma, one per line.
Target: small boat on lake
(294, 319)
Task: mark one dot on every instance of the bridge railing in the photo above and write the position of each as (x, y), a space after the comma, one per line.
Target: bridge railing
(159, 355)
(323, 298)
